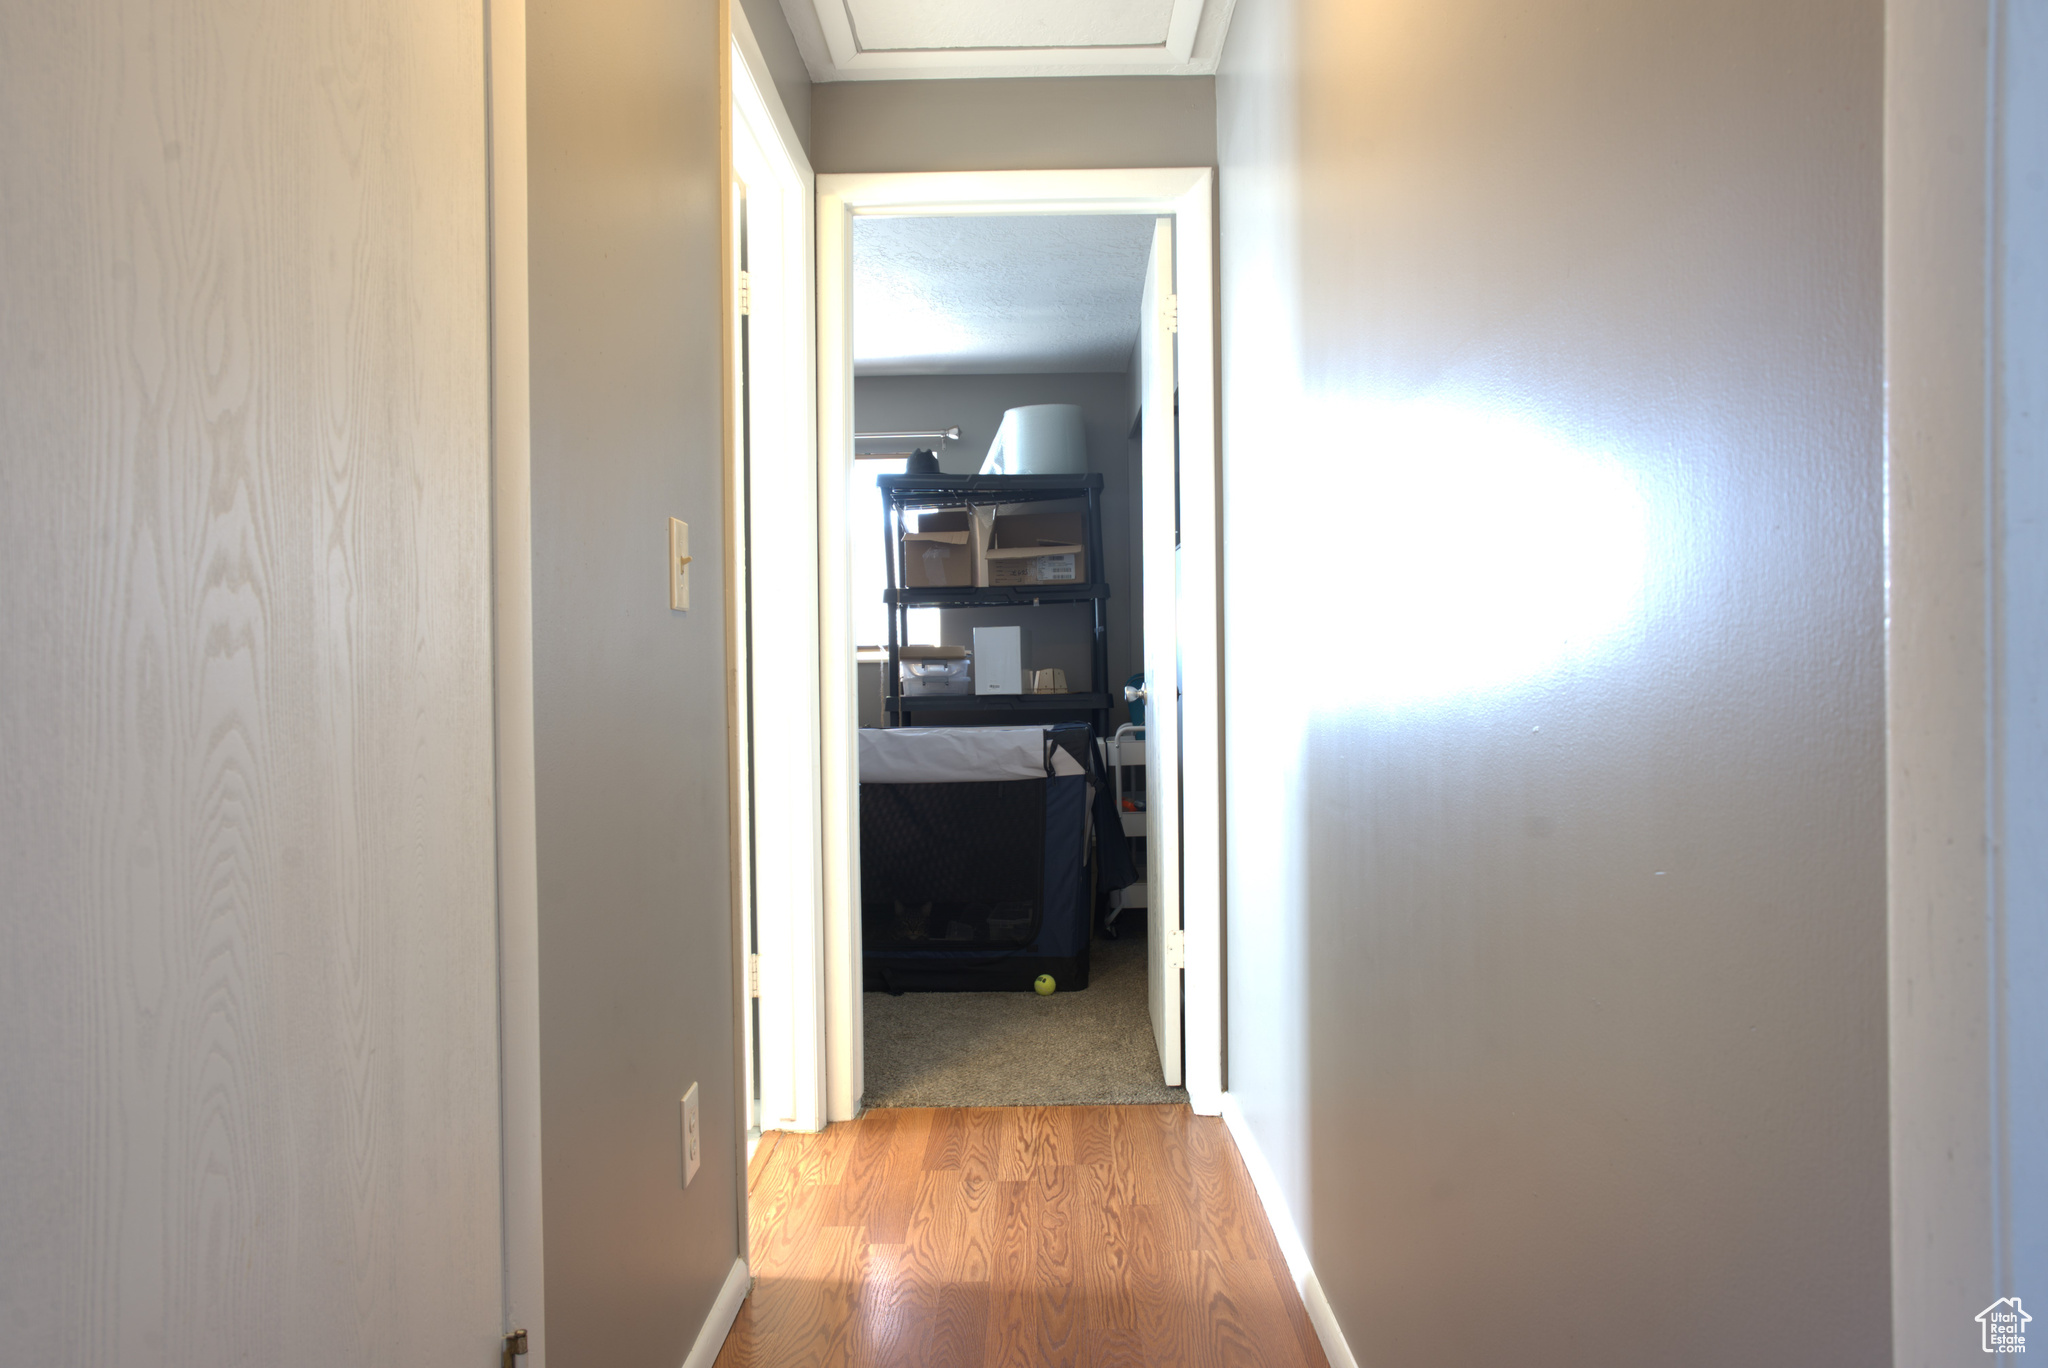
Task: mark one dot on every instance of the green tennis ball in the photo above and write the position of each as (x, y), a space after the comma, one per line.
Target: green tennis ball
(1045, 986)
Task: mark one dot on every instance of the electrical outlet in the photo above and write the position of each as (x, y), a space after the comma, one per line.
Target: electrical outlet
(679, 564)
(692, 1135)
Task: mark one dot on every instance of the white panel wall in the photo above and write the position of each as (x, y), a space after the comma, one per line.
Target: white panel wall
(247, 956)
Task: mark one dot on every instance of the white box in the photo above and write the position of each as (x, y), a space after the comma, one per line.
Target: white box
(925, 686)
(935, 671)
(999, 659)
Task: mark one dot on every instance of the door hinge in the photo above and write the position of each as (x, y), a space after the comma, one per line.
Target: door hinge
(515, 1347)
(753, 976)
(1176, 949)
(746, 293)
(1169, 313)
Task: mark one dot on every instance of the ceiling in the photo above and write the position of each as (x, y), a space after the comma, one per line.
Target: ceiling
(997, 294)
(894, 40)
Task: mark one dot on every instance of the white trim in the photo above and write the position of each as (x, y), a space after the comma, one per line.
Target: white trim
(783, 589)
(1181, 26)
(1185, 193)
(810, 38)
(1966, 677)
(839, 672)
(1195, 31)
(1281, 1217)
(512, 668)
(1180, 29)
(836, 22)
(755, 64)
(837, 26)
(1200, 639)
(717, 1325)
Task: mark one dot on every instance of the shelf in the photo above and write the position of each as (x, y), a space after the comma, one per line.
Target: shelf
(955, 491)
(1002, 596)
(993, 702)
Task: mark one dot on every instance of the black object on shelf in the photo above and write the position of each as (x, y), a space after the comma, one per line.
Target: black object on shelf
(914, 491)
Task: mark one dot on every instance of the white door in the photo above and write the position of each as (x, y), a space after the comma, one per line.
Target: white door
(775, 507)
(1160, 456)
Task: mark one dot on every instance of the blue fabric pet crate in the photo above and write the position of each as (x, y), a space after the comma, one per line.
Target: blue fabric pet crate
(974, 851)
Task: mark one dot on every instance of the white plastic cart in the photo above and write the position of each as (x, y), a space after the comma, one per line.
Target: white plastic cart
(1124, 754)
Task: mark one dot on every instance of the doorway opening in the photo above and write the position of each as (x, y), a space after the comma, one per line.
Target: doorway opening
(955, 311)
(996, 607)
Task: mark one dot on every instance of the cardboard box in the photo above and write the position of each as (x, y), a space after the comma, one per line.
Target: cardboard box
(942, 552)
(1036, 548)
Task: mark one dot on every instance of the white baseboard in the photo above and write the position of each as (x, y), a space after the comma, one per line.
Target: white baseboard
(718, 1324)
(1288, 1234)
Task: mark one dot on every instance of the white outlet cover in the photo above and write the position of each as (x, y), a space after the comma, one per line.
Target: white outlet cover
(692, 1136)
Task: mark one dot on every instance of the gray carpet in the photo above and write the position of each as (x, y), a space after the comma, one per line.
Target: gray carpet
(1019, 1049)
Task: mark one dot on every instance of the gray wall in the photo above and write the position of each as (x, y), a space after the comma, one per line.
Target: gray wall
(1019, 124)
(1059, 636)
(1557, 977)
(636, 953)
(785, 62)
(248, 1009)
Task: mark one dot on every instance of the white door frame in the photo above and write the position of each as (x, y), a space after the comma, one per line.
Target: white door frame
(512, 664)
(779, 774)
(1185, 194)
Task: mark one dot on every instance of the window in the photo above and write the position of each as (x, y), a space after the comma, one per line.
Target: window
(870, 571)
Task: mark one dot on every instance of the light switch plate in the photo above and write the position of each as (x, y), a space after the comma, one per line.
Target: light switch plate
(692, 1135)
(679, 564)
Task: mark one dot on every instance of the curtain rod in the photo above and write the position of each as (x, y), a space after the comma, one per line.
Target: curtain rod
(951, 434)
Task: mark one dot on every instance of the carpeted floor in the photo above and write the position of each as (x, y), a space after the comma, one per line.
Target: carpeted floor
(1019, 1049)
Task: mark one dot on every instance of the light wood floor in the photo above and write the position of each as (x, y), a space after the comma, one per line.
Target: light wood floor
(1025, 1236)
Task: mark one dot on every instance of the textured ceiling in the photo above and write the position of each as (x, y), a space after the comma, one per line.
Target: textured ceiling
(892, 40)
(999, 294)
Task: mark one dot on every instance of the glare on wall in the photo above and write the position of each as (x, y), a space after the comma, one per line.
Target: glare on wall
(1471, 551)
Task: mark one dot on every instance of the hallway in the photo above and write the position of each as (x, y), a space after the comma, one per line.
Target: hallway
(1601, 474)
(1029, 1235)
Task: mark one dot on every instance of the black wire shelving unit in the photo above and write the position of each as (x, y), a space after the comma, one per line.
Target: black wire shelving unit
(903, 494)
